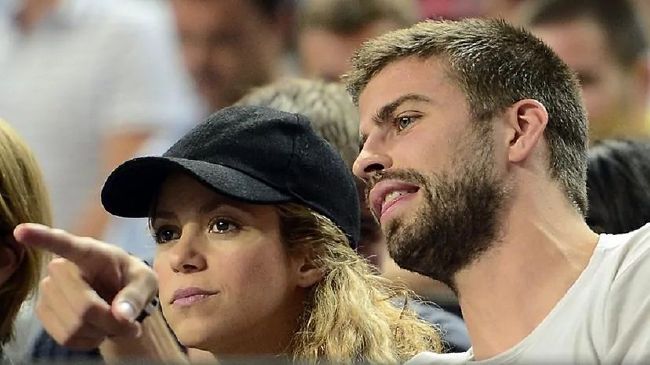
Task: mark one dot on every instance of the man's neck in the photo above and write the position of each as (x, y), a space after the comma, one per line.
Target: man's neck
(543, 247)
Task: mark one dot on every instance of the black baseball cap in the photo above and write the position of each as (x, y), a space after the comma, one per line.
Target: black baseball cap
(253, 154)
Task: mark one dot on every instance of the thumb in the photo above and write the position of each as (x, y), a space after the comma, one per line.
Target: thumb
(141, 285)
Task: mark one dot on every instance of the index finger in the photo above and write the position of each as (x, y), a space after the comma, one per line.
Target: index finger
(59, 242)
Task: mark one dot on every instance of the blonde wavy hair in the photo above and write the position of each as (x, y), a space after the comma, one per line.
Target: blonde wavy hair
(352, 315)
(23, 198)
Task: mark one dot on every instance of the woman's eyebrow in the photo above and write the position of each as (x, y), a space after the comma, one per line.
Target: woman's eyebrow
(219, 202)
(158, 214)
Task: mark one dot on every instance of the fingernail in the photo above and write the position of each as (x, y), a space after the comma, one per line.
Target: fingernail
(37, 226)
(127, 310)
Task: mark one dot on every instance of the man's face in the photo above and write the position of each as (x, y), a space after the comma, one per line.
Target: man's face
(607, 87)
(434, 183)
(325, 54)
(228, 46)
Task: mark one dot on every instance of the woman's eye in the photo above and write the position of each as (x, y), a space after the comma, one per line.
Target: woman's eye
(222, 225)
(404, 122)
(166, 234)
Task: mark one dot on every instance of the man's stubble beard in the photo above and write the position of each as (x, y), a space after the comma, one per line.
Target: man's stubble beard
(458, 220)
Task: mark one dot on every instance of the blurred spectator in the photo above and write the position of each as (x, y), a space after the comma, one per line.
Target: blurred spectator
(86, 82)
(643, 11)
(451, 9)
(230, 46)
(618, 182)
(329, 31)
(502, 9)
(603, 41)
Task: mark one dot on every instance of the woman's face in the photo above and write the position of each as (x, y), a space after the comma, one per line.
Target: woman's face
(227, 283)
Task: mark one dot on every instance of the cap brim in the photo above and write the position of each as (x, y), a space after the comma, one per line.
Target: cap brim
(131, 188)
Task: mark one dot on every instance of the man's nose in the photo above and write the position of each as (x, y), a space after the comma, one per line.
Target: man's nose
(371, 159)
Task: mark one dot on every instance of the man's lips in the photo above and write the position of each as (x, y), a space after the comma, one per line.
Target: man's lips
(386, 193)
(187, 296)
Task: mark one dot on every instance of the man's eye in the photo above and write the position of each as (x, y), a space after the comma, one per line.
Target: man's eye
(223, 225)
(166, 234)
(404, 122)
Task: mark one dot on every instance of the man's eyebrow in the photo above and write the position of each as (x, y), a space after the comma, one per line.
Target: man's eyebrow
(387, 110)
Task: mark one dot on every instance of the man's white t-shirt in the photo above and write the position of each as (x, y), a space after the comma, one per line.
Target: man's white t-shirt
(603, 318)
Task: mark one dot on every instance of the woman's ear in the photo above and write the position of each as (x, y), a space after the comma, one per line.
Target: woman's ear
(11, 256)
(307, 272)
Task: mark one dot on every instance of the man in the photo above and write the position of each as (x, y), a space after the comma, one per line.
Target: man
(604, 43)
(473, 145)
(230, 46)
(329, 31)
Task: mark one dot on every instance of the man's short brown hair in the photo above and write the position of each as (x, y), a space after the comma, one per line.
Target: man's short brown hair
(495, 65)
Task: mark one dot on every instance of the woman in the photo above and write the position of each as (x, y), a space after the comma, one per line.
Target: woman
(23, 198)
(256, 219)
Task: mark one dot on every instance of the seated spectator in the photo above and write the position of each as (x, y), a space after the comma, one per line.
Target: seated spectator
(230, 46)
(329, 31)
(604, 42)
(618, 183)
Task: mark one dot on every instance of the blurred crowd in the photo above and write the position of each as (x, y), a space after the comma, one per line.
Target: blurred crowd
(89, 84)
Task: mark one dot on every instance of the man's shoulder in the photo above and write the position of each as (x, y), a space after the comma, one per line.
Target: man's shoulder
(629, 252)
(431, 358)
(627, 306)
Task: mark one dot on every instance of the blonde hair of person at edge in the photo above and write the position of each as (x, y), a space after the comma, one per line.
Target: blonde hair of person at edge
(256, 218)
(23, 198)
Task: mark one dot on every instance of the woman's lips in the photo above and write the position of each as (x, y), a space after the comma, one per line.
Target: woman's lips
(191, 295)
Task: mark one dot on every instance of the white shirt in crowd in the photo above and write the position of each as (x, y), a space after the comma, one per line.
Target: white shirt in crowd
(604, 318)
(88, 69)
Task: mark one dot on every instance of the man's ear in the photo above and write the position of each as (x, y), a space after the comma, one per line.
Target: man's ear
(307, 273)
(11, 255)
(525, 124)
